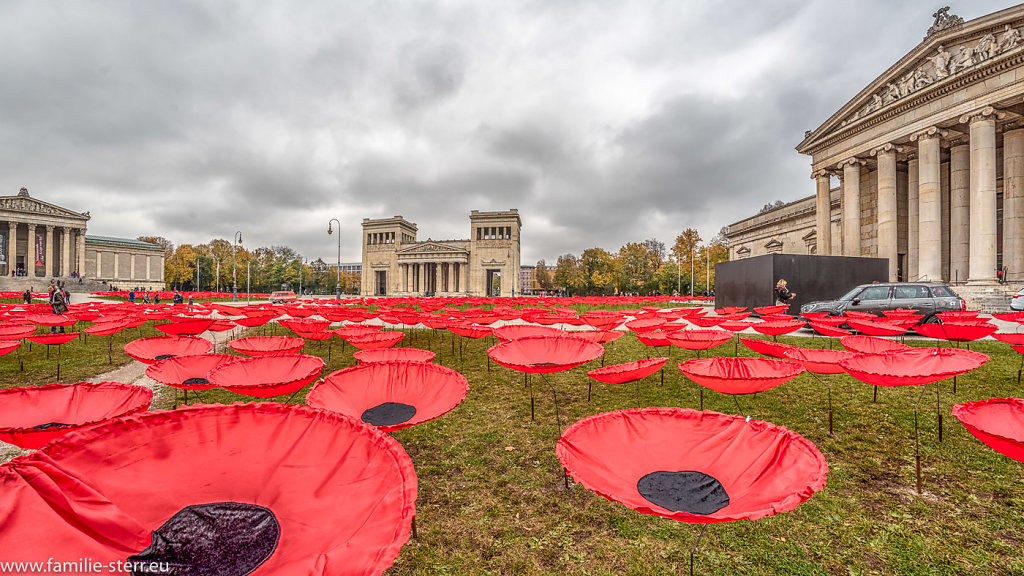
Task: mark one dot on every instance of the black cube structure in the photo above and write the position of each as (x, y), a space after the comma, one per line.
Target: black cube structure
(751, 281)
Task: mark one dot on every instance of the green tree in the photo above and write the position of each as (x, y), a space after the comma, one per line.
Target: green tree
(685, 250)
(542, 275)
(567, 274)
(636, 267)
(597, 271)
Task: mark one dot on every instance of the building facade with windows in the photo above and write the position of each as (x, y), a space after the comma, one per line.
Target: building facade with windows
(395, 263)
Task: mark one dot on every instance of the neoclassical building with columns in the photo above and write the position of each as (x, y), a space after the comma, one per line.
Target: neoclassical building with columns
(43, 241)
(923, 167)
(487, 264)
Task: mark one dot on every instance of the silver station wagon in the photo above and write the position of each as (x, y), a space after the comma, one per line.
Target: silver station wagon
(927, 298)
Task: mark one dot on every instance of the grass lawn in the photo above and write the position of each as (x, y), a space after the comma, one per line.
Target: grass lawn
(492, 498)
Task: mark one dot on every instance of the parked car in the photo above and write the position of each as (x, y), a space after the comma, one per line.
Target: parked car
(282, 296)
(1017, 301)
(927, 298)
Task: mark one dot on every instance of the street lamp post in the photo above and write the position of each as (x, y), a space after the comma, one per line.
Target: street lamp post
(218, 275)
(691, 272)
(337, 289)
(707, 273)
(247, 285)
(234, 266)
(301, 266)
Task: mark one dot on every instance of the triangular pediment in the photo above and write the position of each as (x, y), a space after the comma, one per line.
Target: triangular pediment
(773, 244)
(432, 248)
(29, 205)
(952, 55)
(812, 235)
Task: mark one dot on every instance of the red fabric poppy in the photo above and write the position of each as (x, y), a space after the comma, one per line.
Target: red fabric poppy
(516, 331)
(261, 345)
(16, 331)
(831, 320)
(1010, 316)
(1009, 337)
(778, 327)
(912, 367)
(545, 354)
(6, 347)
(814, 315)
(375, 340)
(627, 372)
(698, 339)
(602, 320)
(767, 347)
(188, 372)
(268, 375)
(222, 325)
(32, 416)
(252, 321)
(998, 422)
(350, 331)
(260, 472)
(469, 330)
(958, 314)
(743, 375)
(394, 355)
(107, 328)
(729, 310)
(705, 321)
(391, 395)
(49, 319)
(828, 330)
(819, 361)
(599, 336)
(305, 325)
(54, 339)
(654, 338)
(860, 315)
(186, 327)
(875, 327)
(149, 350)
(955, 332)
(735, 325)
(776, 309)
(737, 316)
(646, 325)
(692, 466)
(871, 345)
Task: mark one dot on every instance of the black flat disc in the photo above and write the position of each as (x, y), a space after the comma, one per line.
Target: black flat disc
(687, 491)
(196, 382)
(388, 414)
(164, 356)
(219, 539)
(49, 425)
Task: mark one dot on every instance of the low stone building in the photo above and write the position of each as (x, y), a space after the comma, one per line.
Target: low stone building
(124, 263)
(394, 263)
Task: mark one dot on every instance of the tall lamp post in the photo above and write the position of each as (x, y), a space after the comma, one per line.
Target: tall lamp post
(337, 288)
(218, 274)
(302, 265)
(234, 266)
(691, 271)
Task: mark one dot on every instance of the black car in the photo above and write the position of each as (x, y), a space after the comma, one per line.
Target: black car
(927, 298)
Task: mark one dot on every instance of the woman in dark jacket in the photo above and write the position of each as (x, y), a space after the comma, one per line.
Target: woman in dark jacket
(782, 293)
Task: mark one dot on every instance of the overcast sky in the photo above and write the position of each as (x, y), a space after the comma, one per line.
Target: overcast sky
(603, 122)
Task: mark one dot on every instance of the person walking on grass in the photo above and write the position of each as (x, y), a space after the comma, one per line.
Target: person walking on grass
(58, 303)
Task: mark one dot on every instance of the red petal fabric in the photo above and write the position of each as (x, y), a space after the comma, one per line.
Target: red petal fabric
(394, 355)
(261, 345)
(958, 314)
(778, 328)
(350, 331)
(744, 375)
(646, 324)
(72, 406)
(305, 325)
(375, 340)
(828, 330)
(516, 331)
(860, 315)
(177, 370)
(767, 347)
(432, 390)
(16, 331)
(706, 321)
(654, 338)
(998, 422)
(819, 361)
(956, 332)
(814, 315)
(343, 493)
(1010, 337)
(912, 367)
(870, 345)
(188, 327)
(54, 339)
(764, 469)
(875, 327)
(107, 328)
(599, 336)
(545, 354)
(777, 309)
(268, 375)
(698, 339)
(735, 325)
(729, 310)
(627, 372)
(150, 350)
(6, 347)
(49, 319)
(470, 330)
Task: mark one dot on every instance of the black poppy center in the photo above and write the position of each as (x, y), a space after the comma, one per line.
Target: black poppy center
(196, 381)
(164, 356)
(686, 491)
(543, 364)
(219, 539)
(49, 425)
(388, 414)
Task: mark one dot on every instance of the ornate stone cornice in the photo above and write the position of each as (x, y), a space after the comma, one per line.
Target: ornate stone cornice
(851, 162)
(929, 132)
(888, 148)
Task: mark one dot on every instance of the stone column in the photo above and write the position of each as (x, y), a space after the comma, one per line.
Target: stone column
(959, 210)
(80, 251)
(982, 266)
(12, 247)
(437, 278)
(851, 206)
(929, 205)
(1013, 204)
(48, 265)
(65, 253)
(913, 218)
(465, 278)
(30, 255)
(887, 230)
(823, 213)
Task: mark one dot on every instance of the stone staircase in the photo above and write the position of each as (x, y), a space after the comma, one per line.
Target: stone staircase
(988, 299)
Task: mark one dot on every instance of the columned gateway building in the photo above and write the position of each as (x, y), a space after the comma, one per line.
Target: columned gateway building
(396, 264)
(929, 162)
